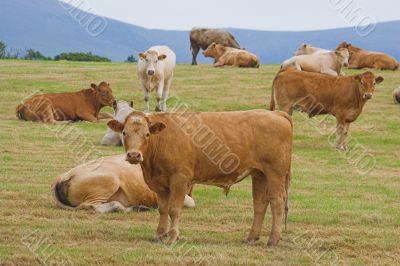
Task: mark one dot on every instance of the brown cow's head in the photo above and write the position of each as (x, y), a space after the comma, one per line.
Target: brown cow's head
(103, 94)
(211, 50)
(367, 82)
(302, 50)
(151, 59)
(136, 131)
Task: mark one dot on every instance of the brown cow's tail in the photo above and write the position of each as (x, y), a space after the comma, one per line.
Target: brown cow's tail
(60, 193)
(287, 187)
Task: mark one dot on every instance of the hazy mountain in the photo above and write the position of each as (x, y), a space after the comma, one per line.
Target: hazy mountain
(48, 26)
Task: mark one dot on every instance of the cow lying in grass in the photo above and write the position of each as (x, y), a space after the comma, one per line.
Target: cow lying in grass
(228, 56)
(360, 58)
(106, 185)
(305, 49)
(316, 94)
(177, 150)
(68, 106)
(121, 110)
(329, 63)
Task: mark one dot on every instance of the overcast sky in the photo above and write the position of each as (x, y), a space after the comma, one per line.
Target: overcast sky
(248, 14)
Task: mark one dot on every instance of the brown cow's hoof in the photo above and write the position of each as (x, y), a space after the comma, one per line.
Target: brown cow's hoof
(273, 240)
(250, 239)
(341, 148)
(171, 237)
(159, 237)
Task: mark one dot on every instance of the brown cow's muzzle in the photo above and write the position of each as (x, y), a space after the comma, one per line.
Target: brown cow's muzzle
(367, 96)
(346, 64)
(134, 157)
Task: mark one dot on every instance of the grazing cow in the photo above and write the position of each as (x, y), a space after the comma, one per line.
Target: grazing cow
(305, 49)
(68, 106)
(396, 95)
(107, 184)
(214, 149)
(155, 71)
(315, 94)
(329, 63)
(201, 38)
(360, 58)
(121, 110)
(227, 56)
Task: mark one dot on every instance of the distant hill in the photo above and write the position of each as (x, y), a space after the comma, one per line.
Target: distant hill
(46, 26)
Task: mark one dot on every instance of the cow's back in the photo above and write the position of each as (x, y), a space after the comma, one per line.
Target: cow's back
(204, 37)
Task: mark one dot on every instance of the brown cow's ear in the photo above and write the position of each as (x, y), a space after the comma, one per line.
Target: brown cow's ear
(142, 56)
(131, 104)
(157, 127)
(379, 79)
(93, 86)
(115, 126)
(162, 57)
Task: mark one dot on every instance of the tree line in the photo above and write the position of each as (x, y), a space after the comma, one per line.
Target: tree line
(31, 54)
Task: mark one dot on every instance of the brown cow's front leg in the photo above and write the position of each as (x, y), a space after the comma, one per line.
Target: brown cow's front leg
(341, 132)
(260, 204)
(88, 117)
(176, 200)
(162, 229)
(195, 51)
(276, 196)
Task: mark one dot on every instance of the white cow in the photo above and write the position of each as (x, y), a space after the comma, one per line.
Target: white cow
(155, 71)
(121, 110)
(308, 49)
(330, 63)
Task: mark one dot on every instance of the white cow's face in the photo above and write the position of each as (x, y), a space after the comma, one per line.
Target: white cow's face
(343, 53)
(151, 59)
(302, 50)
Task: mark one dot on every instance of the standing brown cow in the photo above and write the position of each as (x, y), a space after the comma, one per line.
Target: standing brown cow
(344, 97)
(360, 58)
(201, 38)
(176, 150)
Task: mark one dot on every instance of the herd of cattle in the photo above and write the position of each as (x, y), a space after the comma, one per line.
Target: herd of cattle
(167, 153)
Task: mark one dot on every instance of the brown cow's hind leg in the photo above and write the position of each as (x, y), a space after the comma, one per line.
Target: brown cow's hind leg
(260, 204)
(276, 196)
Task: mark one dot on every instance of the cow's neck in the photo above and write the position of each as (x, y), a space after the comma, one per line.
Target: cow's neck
(91, 99)
(149, 155)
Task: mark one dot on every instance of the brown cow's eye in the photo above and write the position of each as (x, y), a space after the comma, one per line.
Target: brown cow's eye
(123, 133)
(147, 135)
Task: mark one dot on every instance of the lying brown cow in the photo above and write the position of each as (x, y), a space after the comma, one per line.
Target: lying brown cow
(313, 93)
(68, 106)
(396, 95)
(214, 149)
(360, 58)
(106, 185)
(201, 38)
(227, 56)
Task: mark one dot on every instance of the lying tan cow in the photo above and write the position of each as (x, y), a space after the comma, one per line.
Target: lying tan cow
(106, 185)
(396, 95)
(305, 49)
(329, 63)
(68, 106)
(360, 58)
(315, 94)
(218, 149)
(228, 56)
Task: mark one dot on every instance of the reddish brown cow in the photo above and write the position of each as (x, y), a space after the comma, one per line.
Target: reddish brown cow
(176, 150)
(201, 38)
(68, 106)
(343, 97)
(396, 95)
(360, 58)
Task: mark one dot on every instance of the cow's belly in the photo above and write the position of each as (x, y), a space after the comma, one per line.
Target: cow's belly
(223, 180)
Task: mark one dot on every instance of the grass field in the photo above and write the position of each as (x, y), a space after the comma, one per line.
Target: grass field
(344, 207)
